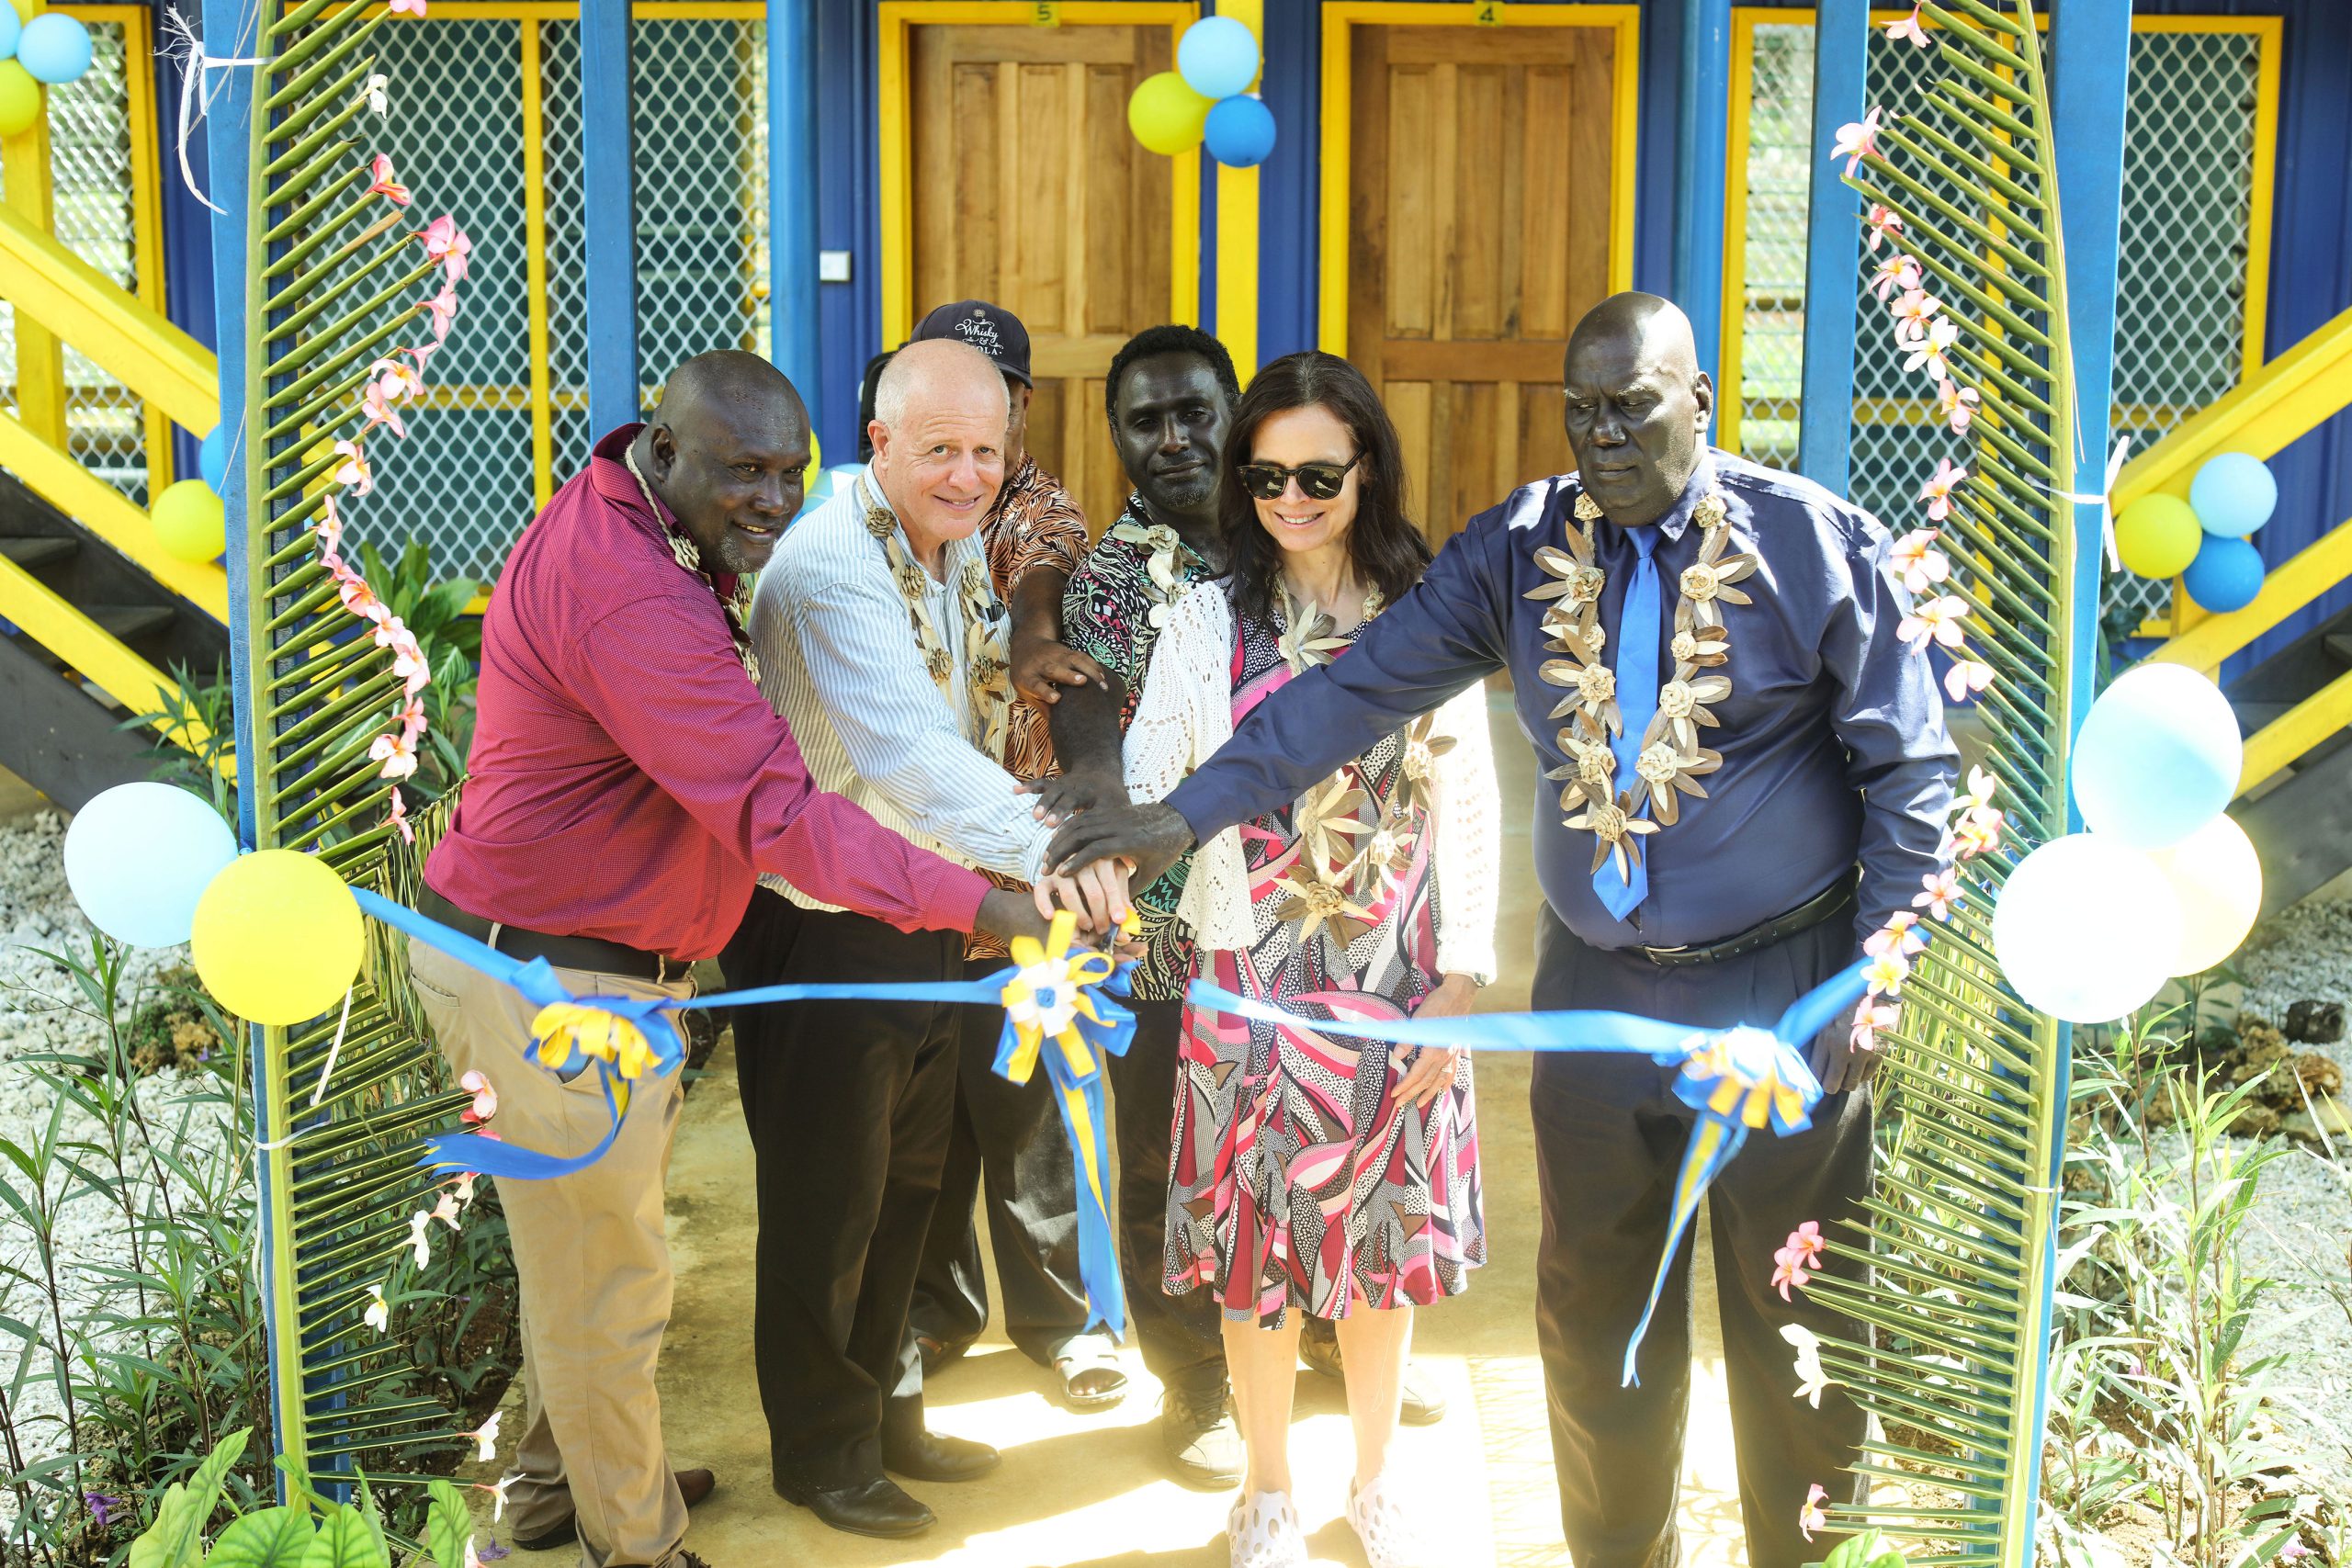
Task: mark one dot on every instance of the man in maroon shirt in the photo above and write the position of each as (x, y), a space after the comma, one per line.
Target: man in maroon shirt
(625, 785)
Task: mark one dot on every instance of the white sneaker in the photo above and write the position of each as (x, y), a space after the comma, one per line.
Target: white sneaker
(1262, 1532)
(1392, 1533)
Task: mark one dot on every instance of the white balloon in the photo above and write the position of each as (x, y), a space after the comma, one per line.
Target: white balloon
(138, 856)
(2085, 929)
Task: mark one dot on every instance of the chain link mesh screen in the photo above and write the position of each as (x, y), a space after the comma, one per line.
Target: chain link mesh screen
(456, 134)
(90, 128)
(2181, 319)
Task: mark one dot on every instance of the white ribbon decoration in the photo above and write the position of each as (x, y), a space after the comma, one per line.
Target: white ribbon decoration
(1052, 1002)
(183, 46)
(2103, 498)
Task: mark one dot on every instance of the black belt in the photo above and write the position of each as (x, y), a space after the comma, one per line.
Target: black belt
(1832, 901)
(587, 952)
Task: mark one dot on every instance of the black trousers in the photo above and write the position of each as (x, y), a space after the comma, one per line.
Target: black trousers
(1181, 1339)
(849, 1105)
(1006, 1146)
(1609, 1140)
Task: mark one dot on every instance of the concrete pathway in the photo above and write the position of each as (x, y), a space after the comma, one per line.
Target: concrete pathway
(1087, 1489)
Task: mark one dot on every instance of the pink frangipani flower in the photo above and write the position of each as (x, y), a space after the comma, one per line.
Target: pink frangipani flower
(1884, 974)
(1896, 936)
(1883, 223)
(1965, 677)
(1936, 491)
(1922, 564)
(410, 716)
(379, 411)
(1956, 403)
(408, 8)
(381, 183)
(357, 597)
(353, 471)
(447, 243)
(1909, 27)
(1857, 140)
(1978, 832)
(1896, 272)
(485, 1104)
(397, 820)
(1813, 1515)
(485, 1439)
(396, 382)
(397, 754)
(439, 311)
(1928, 351)
(1869, 1019)
(1940, 893)
(1796, 1261)
(1935, 620)
(1912, 313)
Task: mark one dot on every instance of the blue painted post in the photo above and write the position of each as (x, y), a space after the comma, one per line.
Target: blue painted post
(1703, 102)
(2090, 59)
(608, 187)
(1832, 247)
(793, 329)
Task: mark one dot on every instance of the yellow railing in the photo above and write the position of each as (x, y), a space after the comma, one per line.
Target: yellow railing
(2290, 587)
(76, 303)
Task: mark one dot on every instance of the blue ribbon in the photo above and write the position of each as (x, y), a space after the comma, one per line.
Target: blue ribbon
(536, 980)
(1727, 1076)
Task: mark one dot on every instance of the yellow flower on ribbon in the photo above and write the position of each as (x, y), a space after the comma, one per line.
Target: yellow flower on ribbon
(563, 1031)
(1742, 1080)
(1049, 993)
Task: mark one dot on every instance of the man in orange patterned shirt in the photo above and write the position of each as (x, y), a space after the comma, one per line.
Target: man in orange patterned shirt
(1007, 1138)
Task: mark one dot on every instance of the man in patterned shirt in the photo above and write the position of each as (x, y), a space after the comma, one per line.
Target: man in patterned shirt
(1010, 1133)
(1170, 394)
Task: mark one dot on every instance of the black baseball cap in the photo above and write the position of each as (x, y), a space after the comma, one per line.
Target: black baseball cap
(993, 330)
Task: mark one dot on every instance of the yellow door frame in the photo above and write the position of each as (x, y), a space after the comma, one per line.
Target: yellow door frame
(1745, 20)
(1340, 17)
(897, 18)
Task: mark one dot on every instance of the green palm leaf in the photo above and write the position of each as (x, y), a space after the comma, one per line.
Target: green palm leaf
(1958, 1239)
(335, 283)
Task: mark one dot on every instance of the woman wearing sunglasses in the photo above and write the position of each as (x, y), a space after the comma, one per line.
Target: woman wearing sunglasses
(1314, 1171)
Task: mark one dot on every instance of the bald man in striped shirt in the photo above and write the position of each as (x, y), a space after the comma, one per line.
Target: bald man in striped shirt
(882, 641)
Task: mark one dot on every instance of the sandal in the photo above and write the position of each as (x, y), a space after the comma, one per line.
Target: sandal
(1092, 1357)
(1263, 1532)
(1392, 1534)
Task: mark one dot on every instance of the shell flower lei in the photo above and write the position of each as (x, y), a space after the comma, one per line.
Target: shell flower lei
(385, 387)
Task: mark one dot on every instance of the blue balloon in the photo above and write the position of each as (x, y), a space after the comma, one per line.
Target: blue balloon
(2225, 576)
(1240, 132)
(1217, 57)
(53, 48)
(212, 460)
(11, 25)
(2158, 756)
(2234, 494)
(140, 855)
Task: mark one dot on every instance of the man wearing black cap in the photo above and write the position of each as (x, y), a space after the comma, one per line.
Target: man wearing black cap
(1006, 1140)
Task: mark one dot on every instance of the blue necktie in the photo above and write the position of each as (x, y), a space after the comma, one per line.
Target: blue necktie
(1637, 634)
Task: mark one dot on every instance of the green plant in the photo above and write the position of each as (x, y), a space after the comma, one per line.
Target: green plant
(116, 1384)
(311, 1531)
(204, 708)
(2157, 1422)
(1867, 1550)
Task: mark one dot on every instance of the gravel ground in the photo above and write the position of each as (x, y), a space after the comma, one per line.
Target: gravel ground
(37, 913)
(2303, 1224)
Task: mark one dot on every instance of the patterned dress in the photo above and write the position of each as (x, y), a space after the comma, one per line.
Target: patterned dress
(1298, 1179)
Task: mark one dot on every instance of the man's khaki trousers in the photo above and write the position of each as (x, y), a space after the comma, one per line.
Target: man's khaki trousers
(594, 1259)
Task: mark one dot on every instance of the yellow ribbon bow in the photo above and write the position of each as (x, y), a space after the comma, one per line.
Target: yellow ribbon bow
(1049, 993)
(564, 1032)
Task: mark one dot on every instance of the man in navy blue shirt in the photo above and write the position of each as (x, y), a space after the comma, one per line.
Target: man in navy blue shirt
(1746, 772)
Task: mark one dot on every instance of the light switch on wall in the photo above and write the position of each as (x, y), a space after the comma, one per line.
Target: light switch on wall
(832, 266)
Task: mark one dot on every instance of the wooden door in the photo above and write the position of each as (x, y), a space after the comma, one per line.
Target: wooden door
(1480, 213)
(1027, 189)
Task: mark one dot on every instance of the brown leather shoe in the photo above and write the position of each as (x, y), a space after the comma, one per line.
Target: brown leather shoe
(693, 1486)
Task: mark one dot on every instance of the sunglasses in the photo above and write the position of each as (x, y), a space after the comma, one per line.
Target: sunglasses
(1319, 481)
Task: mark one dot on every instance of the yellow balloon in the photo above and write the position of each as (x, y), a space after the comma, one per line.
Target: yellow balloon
(2217, 878)
(277, 937)
(190, 521)
(2157, 535)
(20, 100)
(1166, 116)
